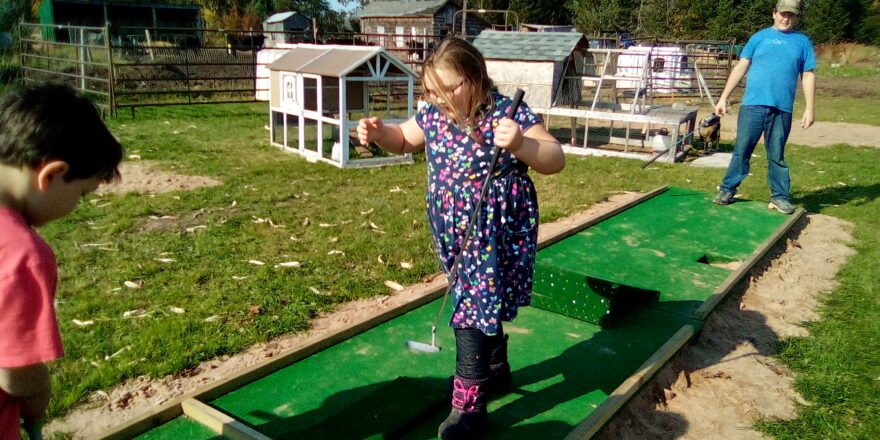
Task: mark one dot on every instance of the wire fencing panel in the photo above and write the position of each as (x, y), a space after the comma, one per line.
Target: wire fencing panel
(168, 66)
(78, 56)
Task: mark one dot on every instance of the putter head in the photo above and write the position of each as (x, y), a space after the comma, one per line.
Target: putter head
(710, 120)
(422, 347)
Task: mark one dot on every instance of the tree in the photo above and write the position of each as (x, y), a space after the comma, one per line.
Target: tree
(540, 11)
(867, 31)
(593, 16)
(831, 21)
(12, 12)
(652, 18)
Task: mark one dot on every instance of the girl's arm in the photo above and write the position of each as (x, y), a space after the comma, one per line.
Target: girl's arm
(536, 147)
(402, 138)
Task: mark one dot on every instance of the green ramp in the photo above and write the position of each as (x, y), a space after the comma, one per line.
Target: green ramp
(675, 250)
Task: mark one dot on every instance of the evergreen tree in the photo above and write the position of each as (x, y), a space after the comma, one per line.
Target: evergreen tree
(594, 16)
(828, 21)
(867, 30)
(540, 11)
(653, 18)
(12, 12)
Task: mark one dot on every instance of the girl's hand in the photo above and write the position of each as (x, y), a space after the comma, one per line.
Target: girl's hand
(508, 135)
(369, 130)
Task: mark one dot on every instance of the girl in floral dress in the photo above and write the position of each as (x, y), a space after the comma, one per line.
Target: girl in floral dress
(459, 126)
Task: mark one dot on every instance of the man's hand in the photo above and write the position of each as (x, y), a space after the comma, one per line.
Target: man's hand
(508, 135)
(721, 107)
(807, 120)
(369, 130)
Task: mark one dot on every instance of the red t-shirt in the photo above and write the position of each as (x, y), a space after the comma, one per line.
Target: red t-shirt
(28, 326)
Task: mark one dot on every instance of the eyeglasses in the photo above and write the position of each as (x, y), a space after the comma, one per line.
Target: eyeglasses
(449, 92)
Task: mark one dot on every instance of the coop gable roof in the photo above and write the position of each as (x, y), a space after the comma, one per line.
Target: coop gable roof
(330, 60)
(403, 8)
(527, 46)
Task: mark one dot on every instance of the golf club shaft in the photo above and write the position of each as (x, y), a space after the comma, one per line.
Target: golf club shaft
(496, 154)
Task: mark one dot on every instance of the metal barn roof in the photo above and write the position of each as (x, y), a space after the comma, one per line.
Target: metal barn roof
(401, 8)
(527, 46)
(280, 16)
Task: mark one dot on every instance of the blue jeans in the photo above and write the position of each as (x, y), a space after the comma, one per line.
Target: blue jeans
(753, 121)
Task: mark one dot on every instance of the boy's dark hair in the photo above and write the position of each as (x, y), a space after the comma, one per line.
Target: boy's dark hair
(47, 121)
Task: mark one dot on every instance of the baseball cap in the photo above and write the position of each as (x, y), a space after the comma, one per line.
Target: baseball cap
(793, 6)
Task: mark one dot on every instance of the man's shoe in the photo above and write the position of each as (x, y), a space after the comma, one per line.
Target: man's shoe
(724, 197)
(781, 205)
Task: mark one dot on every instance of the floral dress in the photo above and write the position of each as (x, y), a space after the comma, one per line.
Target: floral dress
(495, 274)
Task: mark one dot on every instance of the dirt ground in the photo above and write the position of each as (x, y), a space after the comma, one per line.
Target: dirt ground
(144, 177)
(821, 134)
(715, 388)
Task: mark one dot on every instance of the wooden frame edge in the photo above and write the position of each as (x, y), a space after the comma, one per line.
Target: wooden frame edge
(626, 390)
(220, 422)
(703, 311)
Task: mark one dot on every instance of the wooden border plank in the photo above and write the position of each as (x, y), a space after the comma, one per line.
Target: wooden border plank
(424, 295)
(703, 311)
(220, 422)
(626, 390)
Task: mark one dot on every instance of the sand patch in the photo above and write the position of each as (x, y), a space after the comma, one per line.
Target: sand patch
(144, 177)
(719, 385)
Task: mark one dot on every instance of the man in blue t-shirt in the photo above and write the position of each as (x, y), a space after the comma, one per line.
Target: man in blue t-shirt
(774, 58)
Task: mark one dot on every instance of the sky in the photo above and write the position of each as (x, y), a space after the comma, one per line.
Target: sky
(334, 4)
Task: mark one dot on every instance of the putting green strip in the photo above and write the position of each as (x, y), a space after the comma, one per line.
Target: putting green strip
(658, 261)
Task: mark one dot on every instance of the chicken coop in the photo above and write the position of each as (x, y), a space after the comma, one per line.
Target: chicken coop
(317, 94)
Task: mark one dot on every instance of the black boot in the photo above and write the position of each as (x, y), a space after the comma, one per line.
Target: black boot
(468, 415)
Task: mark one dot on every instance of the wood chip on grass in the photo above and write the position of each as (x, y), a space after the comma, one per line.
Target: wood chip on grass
(133, 284)
(393, 286)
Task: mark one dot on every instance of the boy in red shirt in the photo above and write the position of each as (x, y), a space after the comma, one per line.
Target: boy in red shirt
(54, 149)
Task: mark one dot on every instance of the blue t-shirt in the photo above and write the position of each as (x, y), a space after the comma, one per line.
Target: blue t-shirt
(777, 58)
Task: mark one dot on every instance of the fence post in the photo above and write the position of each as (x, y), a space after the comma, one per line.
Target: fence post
(111, 74)
(21, 46)
(186, 67)
(149, 44)
(82, 59)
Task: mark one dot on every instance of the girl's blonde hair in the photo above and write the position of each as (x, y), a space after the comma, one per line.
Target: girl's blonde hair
(459, 56)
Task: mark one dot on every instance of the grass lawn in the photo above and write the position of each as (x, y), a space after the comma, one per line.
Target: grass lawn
(351, 229)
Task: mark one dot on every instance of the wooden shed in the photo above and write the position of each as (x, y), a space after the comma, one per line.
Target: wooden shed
(122, 15)
(319, 92)
(282, 25)
(398, 24)
(536, 62)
